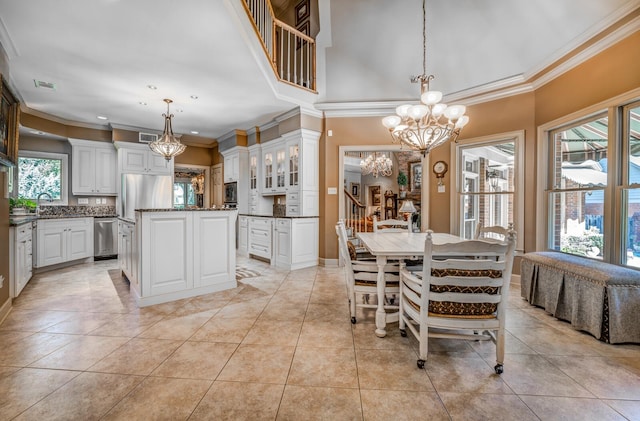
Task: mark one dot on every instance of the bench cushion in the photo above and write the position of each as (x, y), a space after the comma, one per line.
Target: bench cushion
(597, 297)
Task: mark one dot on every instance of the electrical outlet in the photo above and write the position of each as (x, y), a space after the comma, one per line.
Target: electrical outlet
(83, 201)
(1, 281)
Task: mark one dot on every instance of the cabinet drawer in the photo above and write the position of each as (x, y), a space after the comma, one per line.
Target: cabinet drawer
(293, 210)
(260, 250)
(24, 232)
(283, 223)
(263, 223)
(293, 197)
(260, 237)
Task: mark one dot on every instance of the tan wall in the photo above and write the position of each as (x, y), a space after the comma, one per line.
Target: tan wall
(53, 127)
(195, 156)
(610, 73)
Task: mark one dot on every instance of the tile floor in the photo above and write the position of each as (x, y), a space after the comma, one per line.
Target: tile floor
(281, 346)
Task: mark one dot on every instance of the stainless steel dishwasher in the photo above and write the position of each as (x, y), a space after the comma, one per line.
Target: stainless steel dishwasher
(105, 237)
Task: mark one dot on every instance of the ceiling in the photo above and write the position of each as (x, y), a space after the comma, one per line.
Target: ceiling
(103, 54)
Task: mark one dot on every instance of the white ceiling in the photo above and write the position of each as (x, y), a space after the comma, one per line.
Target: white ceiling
(102, 54)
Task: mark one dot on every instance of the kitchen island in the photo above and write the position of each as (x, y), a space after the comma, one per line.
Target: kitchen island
(171, 254)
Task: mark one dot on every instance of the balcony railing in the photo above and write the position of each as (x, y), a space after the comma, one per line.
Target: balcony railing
(291, 53)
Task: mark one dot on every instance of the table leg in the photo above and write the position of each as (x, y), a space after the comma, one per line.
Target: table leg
(381, 315)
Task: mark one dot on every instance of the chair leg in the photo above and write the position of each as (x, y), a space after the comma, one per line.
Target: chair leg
(499, 351)
(352, 308)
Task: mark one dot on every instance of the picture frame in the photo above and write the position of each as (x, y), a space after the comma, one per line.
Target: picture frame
(302, 12)
(415, 176)
(374, 195)
(9, 117)
(355, 190)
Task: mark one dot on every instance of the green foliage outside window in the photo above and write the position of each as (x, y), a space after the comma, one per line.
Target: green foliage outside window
(39, 175)
(590, 243)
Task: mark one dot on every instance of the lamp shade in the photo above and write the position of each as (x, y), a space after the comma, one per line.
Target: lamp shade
(407, 207)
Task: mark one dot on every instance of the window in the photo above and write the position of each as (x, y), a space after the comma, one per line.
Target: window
(593, 186)
(578, 181)
(489, 184)
(43, 172)
(183, 194)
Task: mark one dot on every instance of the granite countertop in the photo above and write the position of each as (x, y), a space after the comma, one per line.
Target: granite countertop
(15, 220)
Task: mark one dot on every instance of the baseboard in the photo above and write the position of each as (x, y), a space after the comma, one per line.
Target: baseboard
(328, 262)
(515, 279)
(5, 310)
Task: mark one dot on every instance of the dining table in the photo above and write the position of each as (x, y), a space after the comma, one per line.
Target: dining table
(396, 246)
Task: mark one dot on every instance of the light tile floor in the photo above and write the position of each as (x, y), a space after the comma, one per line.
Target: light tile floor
(281, 346)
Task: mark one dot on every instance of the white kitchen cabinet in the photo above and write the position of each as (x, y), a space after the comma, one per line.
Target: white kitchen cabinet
(64, 240)
(274, 168)
(183, 254)
(296, 243)
(260, 237)
(236, 169)
(136, 158)
(282, 242)
(288, 243)
(21, 257)
(303, 182)
(243, 235)
(127, 259)
(231, 167)
(258, 204)
(94, 168)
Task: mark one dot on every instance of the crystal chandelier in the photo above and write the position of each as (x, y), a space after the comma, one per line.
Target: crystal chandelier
(168, 145)
(376, 164)
(429, 124)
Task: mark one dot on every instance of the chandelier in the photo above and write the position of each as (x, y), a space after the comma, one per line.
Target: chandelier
(376, 164)
(431, 123)
(168, 145)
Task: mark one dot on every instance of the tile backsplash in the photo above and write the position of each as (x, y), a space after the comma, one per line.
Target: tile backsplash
(77, 210)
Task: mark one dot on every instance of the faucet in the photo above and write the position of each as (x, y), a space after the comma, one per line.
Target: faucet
(49, 199)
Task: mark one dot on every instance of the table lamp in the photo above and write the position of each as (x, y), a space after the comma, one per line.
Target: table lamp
(407, 208)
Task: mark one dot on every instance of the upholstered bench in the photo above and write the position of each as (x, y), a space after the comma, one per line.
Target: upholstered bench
(597, 297)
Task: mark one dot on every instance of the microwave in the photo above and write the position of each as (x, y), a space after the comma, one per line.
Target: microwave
(231, 192)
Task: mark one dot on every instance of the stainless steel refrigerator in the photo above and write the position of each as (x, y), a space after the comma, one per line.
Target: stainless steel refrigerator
(142, 191)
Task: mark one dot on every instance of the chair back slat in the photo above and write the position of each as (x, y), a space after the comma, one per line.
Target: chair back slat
(390, 225)
(459, 297)
(469, 264)
(496, 232)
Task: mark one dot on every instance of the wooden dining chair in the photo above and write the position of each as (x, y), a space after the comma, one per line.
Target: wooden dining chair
(391, 225)
(495, 231)
(362, 276)
(458, 297)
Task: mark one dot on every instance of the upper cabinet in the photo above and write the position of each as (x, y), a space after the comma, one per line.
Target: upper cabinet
(94, 168)
(232, 167)
(274, 168)
(290, 167)
(139, 159)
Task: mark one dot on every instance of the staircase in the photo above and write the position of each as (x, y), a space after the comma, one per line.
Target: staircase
(355, 220)
(291, 53)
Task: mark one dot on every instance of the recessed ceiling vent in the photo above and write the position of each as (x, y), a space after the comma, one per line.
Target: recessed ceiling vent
(42, 84)
(147, 137)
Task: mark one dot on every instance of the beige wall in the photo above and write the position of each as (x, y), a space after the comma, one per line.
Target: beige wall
(610, 73)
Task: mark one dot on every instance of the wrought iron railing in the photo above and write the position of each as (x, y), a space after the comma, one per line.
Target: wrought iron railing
(291, 53)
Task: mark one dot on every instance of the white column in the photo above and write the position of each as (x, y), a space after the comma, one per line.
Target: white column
(424, 195)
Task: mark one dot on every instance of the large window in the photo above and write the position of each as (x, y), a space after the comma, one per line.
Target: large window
(593, 186)
(488, 183)
(43, 172)
(578, 182)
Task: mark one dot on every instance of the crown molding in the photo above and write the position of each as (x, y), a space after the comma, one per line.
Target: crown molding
(285, 116)
(135, 129)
